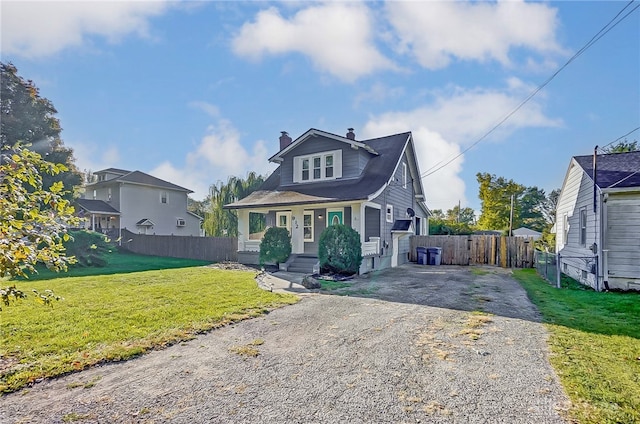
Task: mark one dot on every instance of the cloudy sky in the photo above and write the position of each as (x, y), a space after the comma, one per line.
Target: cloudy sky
(193, 92)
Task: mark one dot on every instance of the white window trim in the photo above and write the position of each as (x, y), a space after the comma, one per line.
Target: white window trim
(583, 227)
(311, 214)
(388, 212)
(337, 166)
(166, 197)
(565, 228)
(288, 215)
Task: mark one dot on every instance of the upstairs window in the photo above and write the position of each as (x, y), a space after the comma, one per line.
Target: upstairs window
(404, 175)
(164, 198)
(389, 213)
(317, 167)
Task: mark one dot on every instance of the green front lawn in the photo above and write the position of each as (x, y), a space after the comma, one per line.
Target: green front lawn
(595, 345)
(115, 317)
(118, 263)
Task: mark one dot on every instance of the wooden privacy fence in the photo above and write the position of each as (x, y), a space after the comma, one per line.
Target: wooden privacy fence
(214, 249)
(507, 252)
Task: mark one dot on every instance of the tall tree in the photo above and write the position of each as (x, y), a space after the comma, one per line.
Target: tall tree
(29, 120)
(495, 198)
(531, 204)
(461, 215)
(221, 222)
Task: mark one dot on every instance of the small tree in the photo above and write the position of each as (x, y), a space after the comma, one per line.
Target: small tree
(340, 250)
(275, 246)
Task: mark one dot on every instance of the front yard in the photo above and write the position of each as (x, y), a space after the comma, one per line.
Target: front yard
(116, 317)
(595, 345)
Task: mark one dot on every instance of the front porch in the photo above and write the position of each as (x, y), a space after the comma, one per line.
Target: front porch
(305, 225)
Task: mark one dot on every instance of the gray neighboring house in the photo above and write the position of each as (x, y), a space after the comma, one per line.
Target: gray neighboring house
(138, 202)
(598, 221)
(526, 232)
(373, 186)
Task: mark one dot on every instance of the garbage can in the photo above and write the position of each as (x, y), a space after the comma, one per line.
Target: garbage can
(434, 255)
(421, 253)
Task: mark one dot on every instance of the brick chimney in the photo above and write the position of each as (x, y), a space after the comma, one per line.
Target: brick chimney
(285, 140)
(351, 135)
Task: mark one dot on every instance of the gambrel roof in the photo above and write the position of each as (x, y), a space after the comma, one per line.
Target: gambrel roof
(614, 170)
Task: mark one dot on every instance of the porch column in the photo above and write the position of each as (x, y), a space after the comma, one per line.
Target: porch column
(243, 228)
(297, 230)
(357, 219)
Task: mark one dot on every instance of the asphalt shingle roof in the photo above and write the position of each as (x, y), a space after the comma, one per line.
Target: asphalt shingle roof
(97, 206)
(377, 172)
(615, 170)
(138, 177)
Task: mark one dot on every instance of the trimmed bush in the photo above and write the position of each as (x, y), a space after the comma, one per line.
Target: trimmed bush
(340, 250)
(275, 246)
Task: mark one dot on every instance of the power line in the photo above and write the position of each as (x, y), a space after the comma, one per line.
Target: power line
(617, 139)
(608, 27)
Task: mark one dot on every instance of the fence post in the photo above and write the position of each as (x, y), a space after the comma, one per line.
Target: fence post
(558, 271)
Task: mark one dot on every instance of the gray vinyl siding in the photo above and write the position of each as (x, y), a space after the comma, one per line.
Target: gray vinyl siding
(577, 194)
(623, 240)
(401, 198)
(353, 161)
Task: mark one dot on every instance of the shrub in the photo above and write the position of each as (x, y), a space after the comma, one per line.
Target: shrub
(340, 250)
(89, 248)
(275, 246)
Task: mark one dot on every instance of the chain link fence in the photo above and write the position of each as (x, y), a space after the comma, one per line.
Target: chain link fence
(547, 265)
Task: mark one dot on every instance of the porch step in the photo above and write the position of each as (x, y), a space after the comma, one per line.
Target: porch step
(303, 264)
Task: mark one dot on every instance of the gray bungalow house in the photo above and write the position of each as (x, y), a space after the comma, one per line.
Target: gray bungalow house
(598, 221)
(322, 179)
(139, 202)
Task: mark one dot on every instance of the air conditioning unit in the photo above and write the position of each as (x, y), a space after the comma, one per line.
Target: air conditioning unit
(181, 222)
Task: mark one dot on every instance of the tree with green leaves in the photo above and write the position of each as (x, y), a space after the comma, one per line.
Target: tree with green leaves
(220, 222)
(623, 147)
(29, 120)
(33, 219)
(495, 197)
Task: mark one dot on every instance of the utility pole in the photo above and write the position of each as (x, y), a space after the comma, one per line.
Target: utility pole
(511, 218)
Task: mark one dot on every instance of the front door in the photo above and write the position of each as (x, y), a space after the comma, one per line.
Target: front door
(334, 218)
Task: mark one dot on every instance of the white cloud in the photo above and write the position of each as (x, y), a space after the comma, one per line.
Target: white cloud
(436, 32)
(87, 159)
(41, 29)
(220, 154)
(456, 119)
(378, 93)
(337, 37)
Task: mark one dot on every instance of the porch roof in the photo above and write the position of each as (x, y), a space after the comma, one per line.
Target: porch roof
(97, 206)
(263, 198)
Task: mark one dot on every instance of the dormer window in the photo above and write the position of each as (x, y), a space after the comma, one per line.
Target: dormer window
(318, 167)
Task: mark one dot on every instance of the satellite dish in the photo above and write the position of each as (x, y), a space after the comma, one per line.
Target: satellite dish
(411, 212)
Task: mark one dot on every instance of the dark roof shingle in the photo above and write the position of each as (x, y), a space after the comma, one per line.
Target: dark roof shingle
(615, 170)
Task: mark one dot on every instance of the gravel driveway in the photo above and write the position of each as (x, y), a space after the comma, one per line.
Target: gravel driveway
(408, 345)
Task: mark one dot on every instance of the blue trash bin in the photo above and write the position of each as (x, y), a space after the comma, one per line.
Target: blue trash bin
(434, 255)
(421, 253)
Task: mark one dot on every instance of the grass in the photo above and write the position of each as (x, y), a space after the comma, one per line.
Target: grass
(331, 285)
(595, 345)
(117, 317)
(118, 263)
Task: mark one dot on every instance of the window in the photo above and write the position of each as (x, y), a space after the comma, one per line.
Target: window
(565, 228)
(163, 197)
(389, 213)
(328, 166)
(307, 226)
(283, 220)
(583, 226)
(318, 167)
(109, 194)
(95, 194)
(404, 175)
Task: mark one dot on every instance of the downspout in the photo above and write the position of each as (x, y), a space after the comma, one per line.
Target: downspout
(595, 210)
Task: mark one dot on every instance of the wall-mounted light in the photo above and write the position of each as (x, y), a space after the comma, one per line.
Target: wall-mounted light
(320, 216)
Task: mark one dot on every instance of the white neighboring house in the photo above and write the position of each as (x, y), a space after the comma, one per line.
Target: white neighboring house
(527, 232)
(598, 221)
(138, 202)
